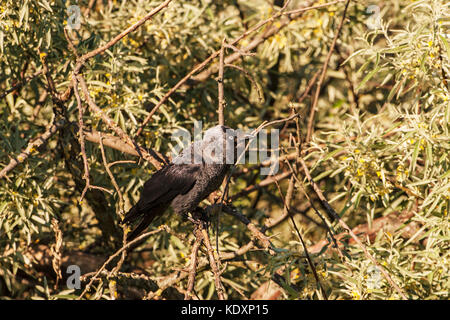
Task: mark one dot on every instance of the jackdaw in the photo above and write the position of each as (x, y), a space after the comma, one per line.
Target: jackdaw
(191, 176)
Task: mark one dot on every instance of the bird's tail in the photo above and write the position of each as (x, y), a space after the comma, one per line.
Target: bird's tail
(131, 215)
(141, 227)
(146, 218)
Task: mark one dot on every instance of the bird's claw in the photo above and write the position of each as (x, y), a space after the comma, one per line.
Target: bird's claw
(199, 217)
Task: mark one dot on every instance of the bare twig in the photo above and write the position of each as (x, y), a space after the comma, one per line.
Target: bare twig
(264, 183)
(301, 10)
(32, 147)
(81, 136)
(86, 176)
(70, 43)
(322, 76)
(57, 123)
(311, 83)
(111, 142)
(111, 176)
(48, 76)
(221, 99)
(82, 60)
(264, 240)
(55, 250)
(124, 33)
(249, 77)
(266, 124)
(174, 89)
(194, 263)
(241, 52)
(21, 84)
(121, 208)
(325, 224)
(39, 103)
(286, 202)
(89, 8)
(213, 263)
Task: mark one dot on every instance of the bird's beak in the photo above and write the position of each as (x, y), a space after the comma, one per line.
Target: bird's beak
(244, 136)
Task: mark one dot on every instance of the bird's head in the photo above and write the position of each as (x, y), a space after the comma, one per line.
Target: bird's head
(221, 144)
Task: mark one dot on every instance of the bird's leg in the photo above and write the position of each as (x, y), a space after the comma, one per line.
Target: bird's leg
(195, 217)
(201, 216)
(185, 215)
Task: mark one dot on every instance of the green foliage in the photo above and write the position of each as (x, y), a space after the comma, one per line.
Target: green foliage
(380, 145)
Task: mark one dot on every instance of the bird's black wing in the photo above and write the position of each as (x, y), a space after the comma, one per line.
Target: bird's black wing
(162, 188)
(168, 183)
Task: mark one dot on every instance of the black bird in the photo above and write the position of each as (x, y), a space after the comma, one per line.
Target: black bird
(187, 180)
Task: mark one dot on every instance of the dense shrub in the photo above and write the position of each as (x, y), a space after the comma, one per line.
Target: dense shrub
(379, 149)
